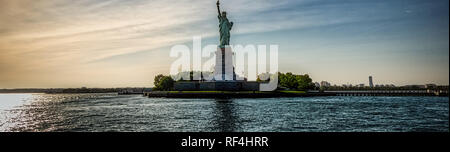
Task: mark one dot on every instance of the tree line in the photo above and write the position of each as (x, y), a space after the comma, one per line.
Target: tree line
(286, 81)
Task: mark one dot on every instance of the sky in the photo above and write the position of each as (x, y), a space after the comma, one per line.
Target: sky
(125, 43)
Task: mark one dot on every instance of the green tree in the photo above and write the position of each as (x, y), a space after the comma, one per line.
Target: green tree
(288, 80)
(293, 81)
(304, 82)
(165, 83)
(158, 79)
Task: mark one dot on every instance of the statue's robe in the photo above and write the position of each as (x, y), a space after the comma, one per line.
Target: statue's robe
(224, 29)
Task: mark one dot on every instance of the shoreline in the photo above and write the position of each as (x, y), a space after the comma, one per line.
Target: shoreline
(274, 94)
(253, 94)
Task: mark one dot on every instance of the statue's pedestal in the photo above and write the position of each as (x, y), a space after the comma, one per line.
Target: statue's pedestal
(224, 77)
(224, 69)
(228, 86)
(216, 86)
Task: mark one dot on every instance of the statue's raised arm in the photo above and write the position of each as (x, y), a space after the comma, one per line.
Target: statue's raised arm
(218, 7)
(224, 27)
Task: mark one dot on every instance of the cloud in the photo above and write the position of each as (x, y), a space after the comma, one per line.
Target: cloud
(51, 35)
(109, 28)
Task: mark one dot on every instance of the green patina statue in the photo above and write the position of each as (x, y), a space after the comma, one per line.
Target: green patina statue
(224, 27)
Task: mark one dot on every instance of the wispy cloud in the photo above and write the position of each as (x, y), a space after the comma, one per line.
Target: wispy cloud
(108, 28)
(57, 35)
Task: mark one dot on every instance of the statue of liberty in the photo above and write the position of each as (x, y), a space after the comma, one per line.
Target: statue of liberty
(224, 27)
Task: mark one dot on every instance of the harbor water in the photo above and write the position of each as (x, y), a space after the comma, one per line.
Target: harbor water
(112, 112)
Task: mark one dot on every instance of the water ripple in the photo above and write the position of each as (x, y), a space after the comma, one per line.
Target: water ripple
(110, 112)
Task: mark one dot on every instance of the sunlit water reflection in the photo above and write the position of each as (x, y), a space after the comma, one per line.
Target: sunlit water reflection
(110, 112)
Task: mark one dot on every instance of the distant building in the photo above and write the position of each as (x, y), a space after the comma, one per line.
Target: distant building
(415, 86)
(325, 84)
(430, 86)
(370, 82)
(389, 86)
(317, 84)
(361, 85)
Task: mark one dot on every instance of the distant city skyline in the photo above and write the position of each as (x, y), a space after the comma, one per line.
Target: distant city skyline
(125, 43)
(370, 83)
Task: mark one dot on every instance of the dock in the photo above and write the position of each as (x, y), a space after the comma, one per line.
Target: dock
(441, 93)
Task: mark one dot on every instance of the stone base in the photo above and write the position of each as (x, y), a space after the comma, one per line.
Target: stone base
(223, 69)
(216, 86)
